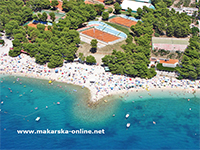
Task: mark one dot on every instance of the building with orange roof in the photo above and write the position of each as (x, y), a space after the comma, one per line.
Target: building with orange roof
(172, 63)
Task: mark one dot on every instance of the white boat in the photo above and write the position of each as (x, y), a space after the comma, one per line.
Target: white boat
(127, 115)
(37, 119)
(128, 125)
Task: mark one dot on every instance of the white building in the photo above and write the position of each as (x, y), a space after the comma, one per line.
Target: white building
(189, 11)
(172, 63)
(134, 5)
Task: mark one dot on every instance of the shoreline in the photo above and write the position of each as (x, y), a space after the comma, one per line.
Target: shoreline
(94, 78)
(123, 92)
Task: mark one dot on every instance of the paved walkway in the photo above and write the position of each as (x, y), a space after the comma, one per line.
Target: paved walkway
(7, 45)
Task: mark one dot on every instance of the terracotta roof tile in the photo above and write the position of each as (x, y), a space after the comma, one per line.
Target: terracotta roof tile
(169, 61)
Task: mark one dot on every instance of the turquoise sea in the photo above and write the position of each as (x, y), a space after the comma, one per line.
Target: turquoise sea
(177, 120)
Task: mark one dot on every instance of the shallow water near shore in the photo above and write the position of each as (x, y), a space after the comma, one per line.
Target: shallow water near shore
(176, 119)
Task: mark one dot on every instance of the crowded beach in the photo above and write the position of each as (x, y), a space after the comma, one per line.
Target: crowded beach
(99, 82)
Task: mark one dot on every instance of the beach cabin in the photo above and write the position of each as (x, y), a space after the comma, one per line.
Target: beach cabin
(172, 63)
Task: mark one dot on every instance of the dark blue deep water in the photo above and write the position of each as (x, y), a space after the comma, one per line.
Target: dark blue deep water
(177, 127)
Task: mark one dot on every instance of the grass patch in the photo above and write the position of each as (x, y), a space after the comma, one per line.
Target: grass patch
(120, 28)
(161, 68)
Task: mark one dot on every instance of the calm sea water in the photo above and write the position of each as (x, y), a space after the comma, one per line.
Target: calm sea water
(177, 127)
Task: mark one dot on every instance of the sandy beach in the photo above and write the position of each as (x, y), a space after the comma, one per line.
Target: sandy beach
(99, 82)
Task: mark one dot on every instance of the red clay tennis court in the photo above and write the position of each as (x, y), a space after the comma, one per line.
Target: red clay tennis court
(123, 21)
(100, 35)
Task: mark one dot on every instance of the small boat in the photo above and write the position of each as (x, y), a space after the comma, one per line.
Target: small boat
(46, 106)
(37, 119)
(128, 125)
(36, 108)
(127, 115)
(113, 115)
(154, 122)
(105, 101)
(58, 103)
(2, 102)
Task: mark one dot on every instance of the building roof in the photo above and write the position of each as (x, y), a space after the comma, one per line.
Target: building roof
(134, 5)
(169, 61)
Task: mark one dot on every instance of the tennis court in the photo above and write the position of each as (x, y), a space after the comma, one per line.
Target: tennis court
(171, 44)
(100, 35)
(123, 21)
